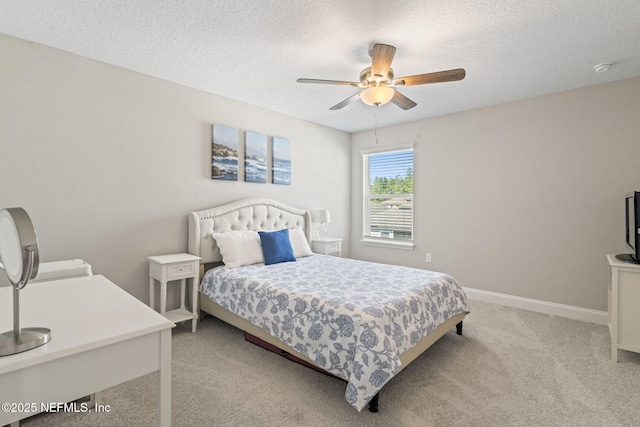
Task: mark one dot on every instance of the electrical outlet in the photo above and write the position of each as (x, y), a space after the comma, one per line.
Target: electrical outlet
(428, 257)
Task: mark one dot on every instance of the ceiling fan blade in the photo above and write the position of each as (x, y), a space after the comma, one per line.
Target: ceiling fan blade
(381, 57)
(402, 101)
(437, 77)
(345, 102)
(329, 82)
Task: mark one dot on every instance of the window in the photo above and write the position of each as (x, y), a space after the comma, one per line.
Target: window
(388, 197)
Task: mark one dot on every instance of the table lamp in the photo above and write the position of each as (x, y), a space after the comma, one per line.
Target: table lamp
(322, 217)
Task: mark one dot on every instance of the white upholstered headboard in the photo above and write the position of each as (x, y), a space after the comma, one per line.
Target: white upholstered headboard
(257, 214)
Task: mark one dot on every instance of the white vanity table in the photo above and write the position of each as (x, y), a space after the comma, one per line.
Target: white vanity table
(101, 336)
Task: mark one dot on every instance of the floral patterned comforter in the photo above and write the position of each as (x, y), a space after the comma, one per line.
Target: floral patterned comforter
(353, 318)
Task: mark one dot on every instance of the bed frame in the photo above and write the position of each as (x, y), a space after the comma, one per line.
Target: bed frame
(260, 214)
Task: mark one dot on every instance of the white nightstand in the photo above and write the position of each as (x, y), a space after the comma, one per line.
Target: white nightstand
(165, 268)
(327, 246)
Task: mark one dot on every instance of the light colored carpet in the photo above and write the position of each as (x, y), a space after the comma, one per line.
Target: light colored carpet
(510, 368)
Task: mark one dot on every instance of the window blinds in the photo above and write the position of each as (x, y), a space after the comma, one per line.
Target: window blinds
(388, 194)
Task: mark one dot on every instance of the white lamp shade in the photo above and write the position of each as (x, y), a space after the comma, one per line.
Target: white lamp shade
(377, 95)
(321, 216)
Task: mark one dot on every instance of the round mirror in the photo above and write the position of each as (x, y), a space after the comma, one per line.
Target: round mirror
(17, 241)
(19, 258)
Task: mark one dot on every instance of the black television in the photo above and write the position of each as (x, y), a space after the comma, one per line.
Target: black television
(632, 220)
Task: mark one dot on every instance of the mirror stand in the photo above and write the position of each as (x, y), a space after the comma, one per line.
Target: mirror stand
(19, 340)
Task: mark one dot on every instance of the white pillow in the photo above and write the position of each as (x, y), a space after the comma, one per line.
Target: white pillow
(299, 243)
(239, 248)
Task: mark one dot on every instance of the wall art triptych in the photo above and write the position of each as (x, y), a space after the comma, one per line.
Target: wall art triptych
(225, 157)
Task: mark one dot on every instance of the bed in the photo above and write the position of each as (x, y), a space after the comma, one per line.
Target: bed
(359, 321)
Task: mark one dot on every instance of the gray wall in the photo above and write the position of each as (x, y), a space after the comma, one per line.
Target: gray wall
(524, 198)
(109, 162)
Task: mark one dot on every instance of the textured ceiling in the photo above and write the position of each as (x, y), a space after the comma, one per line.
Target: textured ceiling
(253, 51)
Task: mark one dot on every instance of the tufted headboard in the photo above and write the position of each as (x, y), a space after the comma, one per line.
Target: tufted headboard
(257, 214)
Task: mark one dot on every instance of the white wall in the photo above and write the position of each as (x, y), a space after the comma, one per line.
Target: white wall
(108, 162)
(524, 198)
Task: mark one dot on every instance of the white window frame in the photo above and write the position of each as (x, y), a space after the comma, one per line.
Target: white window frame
(374, 241)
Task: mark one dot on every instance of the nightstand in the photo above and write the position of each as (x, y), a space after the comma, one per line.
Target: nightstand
(327, 246)
(166, 268)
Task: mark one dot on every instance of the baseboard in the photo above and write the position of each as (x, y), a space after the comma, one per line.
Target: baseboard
(562, 310)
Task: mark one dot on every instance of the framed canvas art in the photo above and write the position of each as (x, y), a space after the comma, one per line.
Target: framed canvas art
(224, 153)
(281, 161)
(255, 157)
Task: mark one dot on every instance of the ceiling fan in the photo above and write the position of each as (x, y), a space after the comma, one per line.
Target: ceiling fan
(379, 82)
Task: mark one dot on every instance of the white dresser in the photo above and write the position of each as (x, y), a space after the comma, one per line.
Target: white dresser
(623, 306)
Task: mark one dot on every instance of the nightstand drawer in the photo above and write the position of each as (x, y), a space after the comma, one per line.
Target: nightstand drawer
(327, 246)
(333, 247)
(179, 271)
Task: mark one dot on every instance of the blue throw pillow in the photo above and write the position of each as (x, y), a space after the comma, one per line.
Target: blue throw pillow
(276, 246)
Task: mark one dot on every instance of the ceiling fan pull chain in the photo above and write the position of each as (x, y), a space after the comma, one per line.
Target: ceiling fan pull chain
(375, 132)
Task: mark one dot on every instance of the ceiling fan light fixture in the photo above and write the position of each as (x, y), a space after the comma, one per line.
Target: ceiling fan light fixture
(378, 81)
(377, 95)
